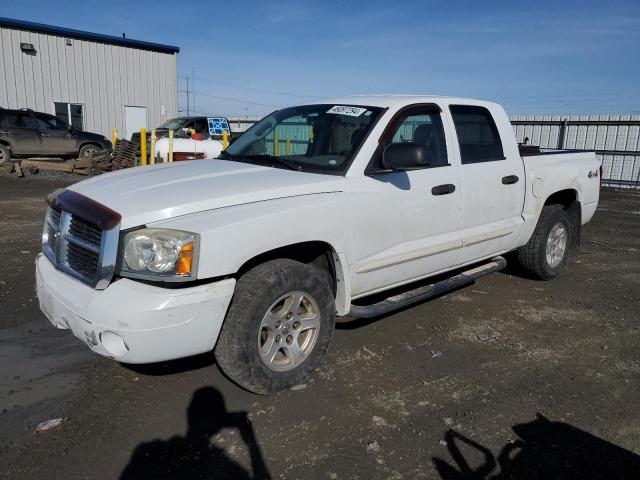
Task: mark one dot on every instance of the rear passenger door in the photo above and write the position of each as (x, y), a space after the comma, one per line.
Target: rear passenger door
(19, 129)
(492, 181)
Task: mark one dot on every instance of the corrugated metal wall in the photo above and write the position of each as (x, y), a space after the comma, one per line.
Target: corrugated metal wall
(103, 78)
(615, 138)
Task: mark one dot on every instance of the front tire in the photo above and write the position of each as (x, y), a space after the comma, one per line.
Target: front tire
(546, 252)
(88, 150)
(278, 327)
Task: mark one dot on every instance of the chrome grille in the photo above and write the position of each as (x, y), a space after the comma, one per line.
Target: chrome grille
(77, 247)
(82, 260)
(85, 231)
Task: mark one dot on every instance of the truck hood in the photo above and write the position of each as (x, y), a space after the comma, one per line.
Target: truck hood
(148, 194)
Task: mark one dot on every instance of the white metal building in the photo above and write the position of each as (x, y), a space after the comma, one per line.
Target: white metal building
(91, 81)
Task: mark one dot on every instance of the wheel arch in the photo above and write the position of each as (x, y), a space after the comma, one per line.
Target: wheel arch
(570, 201)
(563, 197)
(318, 253)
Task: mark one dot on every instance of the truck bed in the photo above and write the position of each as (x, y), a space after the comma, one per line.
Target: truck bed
(535, 150)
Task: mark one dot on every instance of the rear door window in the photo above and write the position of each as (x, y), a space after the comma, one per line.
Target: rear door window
(17, 120)
(201, 126)
(478, 135)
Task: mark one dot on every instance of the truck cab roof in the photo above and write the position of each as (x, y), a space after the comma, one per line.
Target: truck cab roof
(399, 101)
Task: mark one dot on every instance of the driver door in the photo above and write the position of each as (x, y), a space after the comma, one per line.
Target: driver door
(55, 135)
(406, 223)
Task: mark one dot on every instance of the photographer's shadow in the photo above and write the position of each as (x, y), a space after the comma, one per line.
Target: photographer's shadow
(192, 456)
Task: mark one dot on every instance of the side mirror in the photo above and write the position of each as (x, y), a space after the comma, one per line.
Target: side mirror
(405, 156)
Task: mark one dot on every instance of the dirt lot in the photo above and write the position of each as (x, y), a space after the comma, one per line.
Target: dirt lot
(507, 378)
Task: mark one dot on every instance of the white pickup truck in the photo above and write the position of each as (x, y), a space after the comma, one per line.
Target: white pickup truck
(311, 214)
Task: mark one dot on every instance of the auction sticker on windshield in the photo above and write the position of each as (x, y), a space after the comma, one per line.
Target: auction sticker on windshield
(345, 110)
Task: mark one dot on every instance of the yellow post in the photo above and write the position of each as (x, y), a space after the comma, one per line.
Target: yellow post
(225, 140)
(287, 146)
(311, 136)
(170, 156)
(152, 148)
(143, 146)
(276, 144)
(114, 136)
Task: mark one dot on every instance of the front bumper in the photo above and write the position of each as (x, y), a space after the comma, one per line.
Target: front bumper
(133, 322)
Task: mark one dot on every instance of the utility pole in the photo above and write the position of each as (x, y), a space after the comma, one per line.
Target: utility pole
(193, 83)
(188, 96)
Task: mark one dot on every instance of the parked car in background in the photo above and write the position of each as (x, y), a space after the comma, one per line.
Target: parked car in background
(197, 137)
(183, 127)
(28, 133)
(313, 212)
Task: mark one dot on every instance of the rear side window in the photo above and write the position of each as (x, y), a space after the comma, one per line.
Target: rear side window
(17, 120)
(201, 126)
(477, 134)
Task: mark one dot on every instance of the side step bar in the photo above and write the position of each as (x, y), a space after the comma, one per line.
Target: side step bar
(428, 291)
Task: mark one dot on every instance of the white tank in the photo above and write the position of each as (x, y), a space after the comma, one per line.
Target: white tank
(210, 148)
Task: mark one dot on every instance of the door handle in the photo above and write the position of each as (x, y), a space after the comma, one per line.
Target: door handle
(510, 179)
(2, 132)
(443, 189)
(45, 135)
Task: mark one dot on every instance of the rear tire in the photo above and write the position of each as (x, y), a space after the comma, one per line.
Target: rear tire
(546, 252)
(278, 327)
(5, 154)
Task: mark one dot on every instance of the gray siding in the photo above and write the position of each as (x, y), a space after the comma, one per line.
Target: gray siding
(615, 138)
(102, 77)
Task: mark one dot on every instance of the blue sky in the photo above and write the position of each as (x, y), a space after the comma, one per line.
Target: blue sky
(250, 57)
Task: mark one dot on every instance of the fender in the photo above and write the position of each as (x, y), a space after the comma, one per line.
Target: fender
(229, 235)
(7, 141)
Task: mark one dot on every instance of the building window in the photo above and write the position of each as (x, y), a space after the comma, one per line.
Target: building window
(70, 113)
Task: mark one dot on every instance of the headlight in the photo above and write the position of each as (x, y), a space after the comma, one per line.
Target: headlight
(161, 254)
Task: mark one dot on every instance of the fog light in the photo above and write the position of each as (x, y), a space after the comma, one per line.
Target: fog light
(114, 344)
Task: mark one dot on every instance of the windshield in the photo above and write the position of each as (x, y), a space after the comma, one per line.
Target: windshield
(174, 123)
(320, 138)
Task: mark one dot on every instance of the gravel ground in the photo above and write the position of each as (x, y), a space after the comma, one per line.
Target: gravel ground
(507, 378)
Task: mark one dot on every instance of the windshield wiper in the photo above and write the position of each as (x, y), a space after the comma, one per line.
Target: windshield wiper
(274, 159)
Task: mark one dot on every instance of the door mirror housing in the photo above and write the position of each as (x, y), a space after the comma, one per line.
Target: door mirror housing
(405, 156)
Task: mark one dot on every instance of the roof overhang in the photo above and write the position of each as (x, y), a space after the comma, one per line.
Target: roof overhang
(82, 35)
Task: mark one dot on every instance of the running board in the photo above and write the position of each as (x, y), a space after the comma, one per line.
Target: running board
(419, 294)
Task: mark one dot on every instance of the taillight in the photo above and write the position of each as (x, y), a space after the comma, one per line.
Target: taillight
(600, 175)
